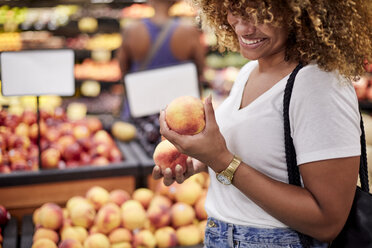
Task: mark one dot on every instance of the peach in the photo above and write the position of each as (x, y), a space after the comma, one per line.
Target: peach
(75, 200)
(120, 235)
(202, 225)
(36, 217)
(166, 156)
(70, 243)
(93, 229)
(159, 214)
(98, 196)
(168, 191)
(44, 243)
(108, 218)
(45, 233)
(145, 239)
(70, 233)
(65, 213)
(133, 215)
(161, 200)
(182, 214)
(121, 245)
(82, 214)
(188, 192)
(144, 196)
(97, 240)
(119, 196)
(166, 237)
(200, 212)
(188, 235)
(82, 233)
(185, 115)
(51, 216)
(199, 178)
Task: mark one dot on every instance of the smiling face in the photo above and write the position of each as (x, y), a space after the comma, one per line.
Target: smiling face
(258, 41)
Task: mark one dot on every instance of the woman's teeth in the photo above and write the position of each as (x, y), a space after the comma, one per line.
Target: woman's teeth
(250, 42)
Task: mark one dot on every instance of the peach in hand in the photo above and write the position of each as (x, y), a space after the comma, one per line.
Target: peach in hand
(166, 156)
(185, 115)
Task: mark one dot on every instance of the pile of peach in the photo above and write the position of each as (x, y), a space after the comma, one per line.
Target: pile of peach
(163, 217)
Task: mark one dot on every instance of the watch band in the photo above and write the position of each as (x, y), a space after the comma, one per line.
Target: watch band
(226, 176)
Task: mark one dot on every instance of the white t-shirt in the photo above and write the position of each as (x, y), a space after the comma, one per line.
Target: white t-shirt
(324, 120)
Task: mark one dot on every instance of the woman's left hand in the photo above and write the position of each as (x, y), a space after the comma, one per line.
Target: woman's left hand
(208, 146)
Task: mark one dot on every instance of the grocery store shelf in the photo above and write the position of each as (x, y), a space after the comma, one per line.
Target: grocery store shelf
(10, 234)
(130, 166)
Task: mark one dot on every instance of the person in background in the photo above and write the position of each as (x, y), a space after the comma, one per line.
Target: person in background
(255, 206)
(182, 42)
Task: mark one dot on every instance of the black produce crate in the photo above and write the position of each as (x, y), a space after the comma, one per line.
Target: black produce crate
(146, 161)
(129, 166)
(28, 231)
(10, 234)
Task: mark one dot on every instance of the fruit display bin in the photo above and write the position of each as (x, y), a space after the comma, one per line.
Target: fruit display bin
(28, 232)
(146, 162)
(10, 234)
(129, 166)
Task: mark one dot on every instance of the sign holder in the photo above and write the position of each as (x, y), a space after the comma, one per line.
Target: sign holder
(37, 73)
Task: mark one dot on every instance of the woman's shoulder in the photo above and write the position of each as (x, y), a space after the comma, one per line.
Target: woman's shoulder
(312, 76)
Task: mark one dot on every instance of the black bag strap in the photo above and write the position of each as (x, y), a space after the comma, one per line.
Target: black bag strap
(293, 171)
(290, 152)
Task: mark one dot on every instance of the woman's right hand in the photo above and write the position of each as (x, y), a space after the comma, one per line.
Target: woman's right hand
(193, 166)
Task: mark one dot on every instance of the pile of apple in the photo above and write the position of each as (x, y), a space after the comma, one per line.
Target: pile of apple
(64, 143)
(163, 217)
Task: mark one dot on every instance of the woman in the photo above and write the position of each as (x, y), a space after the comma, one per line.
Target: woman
(259, 208)
(181, 43)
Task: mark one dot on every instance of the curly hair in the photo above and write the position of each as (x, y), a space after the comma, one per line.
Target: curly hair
(334, 34)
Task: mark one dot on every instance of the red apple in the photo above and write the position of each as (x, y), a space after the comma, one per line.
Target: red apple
(81, 132)
(101, 149)
(65, 141)
(59, 114)
(66, 128)
(100, 161)
(115, 155)
(94, 124)
(72, 152)
(52, 134)
(4, 169)
(50, 158)
(29, 117)
(20, 165)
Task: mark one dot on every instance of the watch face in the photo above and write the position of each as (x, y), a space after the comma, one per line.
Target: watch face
(223, 179)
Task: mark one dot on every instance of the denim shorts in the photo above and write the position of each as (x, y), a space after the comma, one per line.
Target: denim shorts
(219, 234)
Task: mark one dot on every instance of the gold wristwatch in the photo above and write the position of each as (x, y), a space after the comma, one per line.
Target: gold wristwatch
(226, 176)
